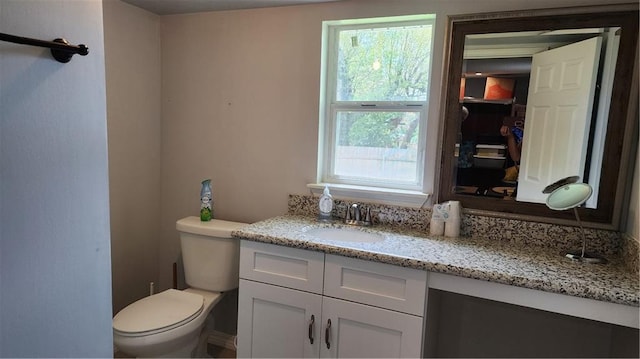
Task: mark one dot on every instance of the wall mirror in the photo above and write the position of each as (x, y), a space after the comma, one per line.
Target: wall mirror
(562, 85)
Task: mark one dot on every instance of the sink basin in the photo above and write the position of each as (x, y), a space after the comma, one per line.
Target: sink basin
(344, 234)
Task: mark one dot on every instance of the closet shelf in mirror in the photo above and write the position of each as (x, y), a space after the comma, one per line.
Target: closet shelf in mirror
(507, 101)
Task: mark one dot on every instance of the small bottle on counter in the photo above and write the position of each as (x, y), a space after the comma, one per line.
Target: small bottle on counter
(206, 201)
(436, 226)
(452, 225)
(325, 205)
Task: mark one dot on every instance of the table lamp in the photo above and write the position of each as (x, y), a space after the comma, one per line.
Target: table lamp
(567, 193)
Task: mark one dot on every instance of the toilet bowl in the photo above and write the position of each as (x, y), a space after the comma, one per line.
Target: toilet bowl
(169, 324)
(166, 324)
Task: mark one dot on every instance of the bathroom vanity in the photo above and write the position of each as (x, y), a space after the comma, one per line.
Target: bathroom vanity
(314, 305)
(306, 296)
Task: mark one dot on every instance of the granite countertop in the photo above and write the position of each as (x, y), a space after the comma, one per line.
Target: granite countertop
(491, 260)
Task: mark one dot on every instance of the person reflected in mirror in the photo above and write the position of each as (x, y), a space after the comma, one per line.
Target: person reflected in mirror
(464, 152)
(467, 148)
(465, 113)
(514, 141)
(513, 131)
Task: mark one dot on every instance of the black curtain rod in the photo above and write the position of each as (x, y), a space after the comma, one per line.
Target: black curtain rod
(60, 48)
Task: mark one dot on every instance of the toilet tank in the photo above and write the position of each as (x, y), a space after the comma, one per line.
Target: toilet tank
(210, 256)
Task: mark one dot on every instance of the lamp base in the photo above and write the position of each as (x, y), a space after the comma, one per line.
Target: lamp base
(587, 257)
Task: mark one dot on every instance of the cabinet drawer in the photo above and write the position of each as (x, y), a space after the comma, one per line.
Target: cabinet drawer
(382, 285)
(283, 266)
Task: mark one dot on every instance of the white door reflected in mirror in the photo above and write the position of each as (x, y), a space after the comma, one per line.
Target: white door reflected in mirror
(559, 111)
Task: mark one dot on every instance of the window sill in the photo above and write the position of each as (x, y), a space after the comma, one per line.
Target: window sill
(388, 196)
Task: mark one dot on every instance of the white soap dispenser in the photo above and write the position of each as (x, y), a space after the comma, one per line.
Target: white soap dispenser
(325, 205)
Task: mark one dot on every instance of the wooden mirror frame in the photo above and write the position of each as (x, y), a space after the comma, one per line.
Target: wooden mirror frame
(622, 126)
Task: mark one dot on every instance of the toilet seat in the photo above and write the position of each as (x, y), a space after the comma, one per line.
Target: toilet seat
(158, 313)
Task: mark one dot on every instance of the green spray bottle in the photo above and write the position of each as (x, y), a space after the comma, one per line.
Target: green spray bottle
(206, 201)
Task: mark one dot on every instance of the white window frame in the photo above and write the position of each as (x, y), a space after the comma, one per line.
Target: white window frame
(405, 193)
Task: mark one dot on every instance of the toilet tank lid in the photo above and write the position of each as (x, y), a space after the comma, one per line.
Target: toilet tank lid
(213, 228)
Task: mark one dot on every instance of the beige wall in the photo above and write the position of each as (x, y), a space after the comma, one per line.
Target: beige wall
(240, 103)
(132, 61)
(237, 93)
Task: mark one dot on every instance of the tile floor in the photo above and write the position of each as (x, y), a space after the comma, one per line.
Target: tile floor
(213, 350)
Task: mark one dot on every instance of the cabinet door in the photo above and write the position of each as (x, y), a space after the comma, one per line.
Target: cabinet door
(275, 322)
(361, 331)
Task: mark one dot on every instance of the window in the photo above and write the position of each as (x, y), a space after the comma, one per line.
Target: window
(375, 77)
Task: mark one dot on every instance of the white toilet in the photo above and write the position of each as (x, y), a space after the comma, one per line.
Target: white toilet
(168, 324)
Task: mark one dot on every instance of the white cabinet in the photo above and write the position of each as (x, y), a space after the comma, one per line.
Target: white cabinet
(361, 331)
(272, 322)
(298, 303)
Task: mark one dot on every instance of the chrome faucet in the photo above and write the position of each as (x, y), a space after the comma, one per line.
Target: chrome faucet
(357, 215)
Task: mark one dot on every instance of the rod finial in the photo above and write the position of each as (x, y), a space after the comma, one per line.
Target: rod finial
(64, 56)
